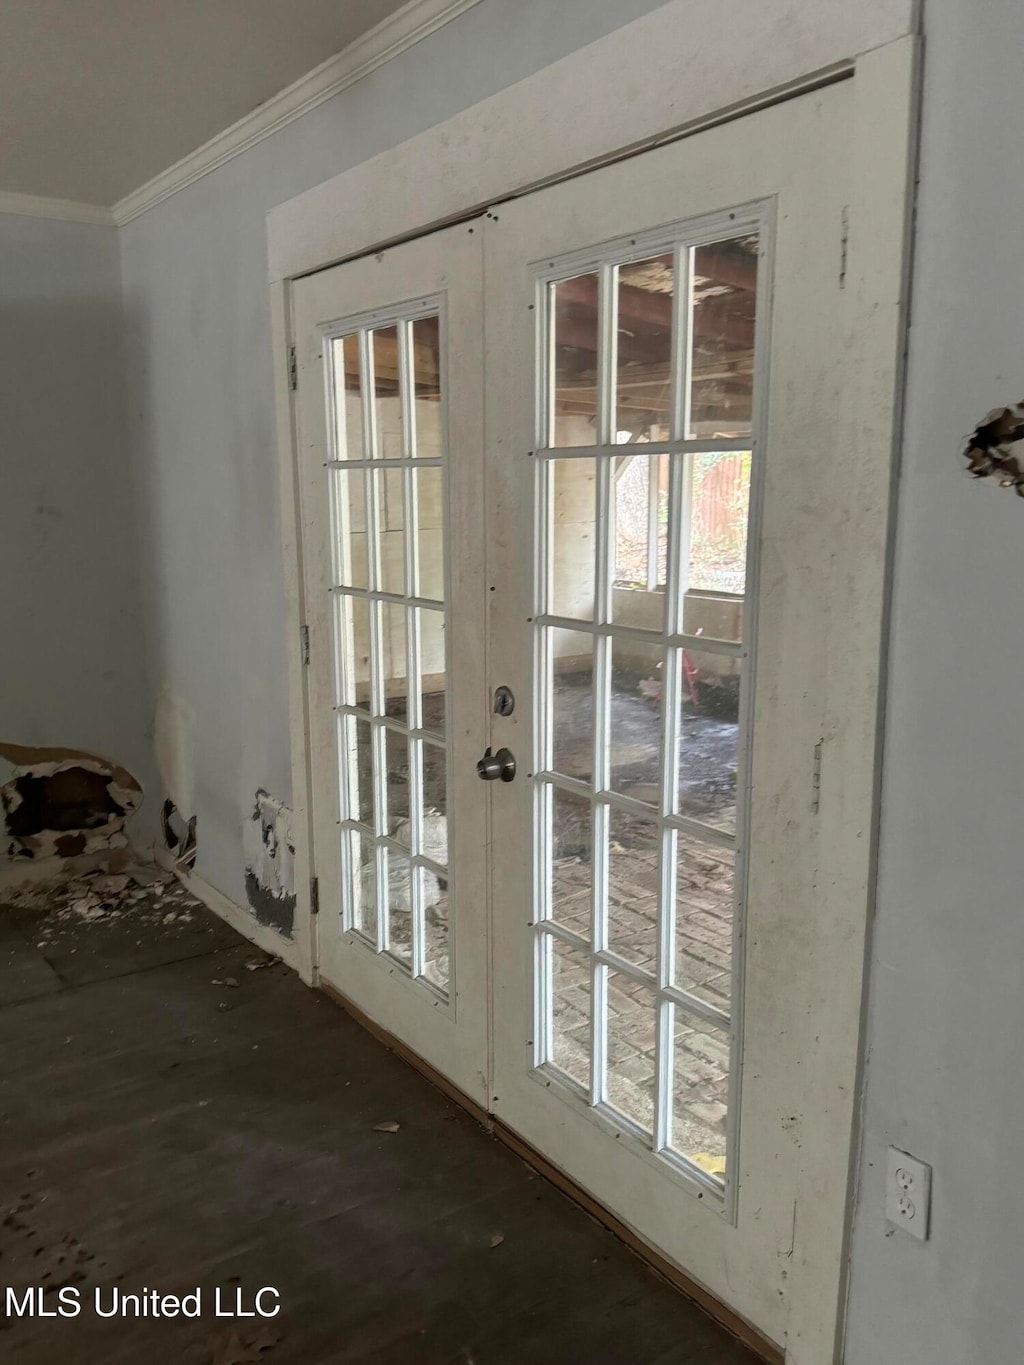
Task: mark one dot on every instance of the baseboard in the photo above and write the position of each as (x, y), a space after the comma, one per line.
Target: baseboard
(241, 920)
(729, 1321)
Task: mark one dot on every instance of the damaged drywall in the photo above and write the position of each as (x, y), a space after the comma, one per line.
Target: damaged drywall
(179, 835)
(270, 863)
(65, 802)
(995, 450)
(174, 746)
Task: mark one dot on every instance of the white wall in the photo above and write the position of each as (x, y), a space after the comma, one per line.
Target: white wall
(946, 1015)
(71, 658)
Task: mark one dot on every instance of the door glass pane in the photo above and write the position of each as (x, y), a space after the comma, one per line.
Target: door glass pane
(573, 494)
(633, 900)
(635, 719)
(572, 861)
(396, 749)
(640, 518)
(348, 519)
(709, 728)
(643, 386)
(427, 491)
(361, 869)
(393, 669)
(352, 649)
(700, 1092)
(434, 839)
(388, 534)
(426, 370)
(436, 965)
(573, 324)
(434, 834)
(348, 388)
(399, 906)
(391, 530)
(705, 898)
(432, 681)
(387, 396)
(719, 509)
(631, 1082)
(355, 770)
(569, 975)
(571, 667)
(724, 303)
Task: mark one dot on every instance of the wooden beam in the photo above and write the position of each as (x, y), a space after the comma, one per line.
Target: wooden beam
(713, 318)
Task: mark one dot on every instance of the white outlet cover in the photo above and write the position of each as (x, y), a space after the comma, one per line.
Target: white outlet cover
(908, 1193)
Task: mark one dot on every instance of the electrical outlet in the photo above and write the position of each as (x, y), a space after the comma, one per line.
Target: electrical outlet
(908, 1193)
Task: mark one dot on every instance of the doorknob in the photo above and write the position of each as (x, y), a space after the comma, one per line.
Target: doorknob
(492, 766)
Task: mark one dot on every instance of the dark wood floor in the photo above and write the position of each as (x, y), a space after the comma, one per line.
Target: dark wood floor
(160, 1131)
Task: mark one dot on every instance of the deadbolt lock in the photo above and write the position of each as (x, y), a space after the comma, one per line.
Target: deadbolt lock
(504, 701)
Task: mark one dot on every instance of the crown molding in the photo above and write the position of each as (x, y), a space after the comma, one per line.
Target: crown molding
(62, 210)
(407, 26)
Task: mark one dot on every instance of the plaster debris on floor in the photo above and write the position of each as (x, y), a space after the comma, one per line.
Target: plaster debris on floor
(140, 895)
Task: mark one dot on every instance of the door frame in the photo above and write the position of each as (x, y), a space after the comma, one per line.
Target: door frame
(359, 211)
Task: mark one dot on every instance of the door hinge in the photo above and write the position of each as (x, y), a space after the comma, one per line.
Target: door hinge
(314, 895)
(816, 779)
(293, 370)
(305, 645)
(844, 245)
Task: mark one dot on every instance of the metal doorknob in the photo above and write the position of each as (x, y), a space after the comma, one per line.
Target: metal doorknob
(494, 766)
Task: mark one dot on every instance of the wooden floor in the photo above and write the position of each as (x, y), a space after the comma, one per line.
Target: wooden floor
(159, 1130)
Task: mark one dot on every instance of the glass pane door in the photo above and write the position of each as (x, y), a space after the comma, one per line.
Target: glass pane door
(664, 542)
(389, 398)
(643, 485)
(386, 475)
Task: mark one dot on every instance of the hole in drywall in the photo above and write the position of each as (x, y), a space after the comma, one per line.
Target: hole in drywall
(179, 835)
(995, 449)
(71, 798)
(65, 802)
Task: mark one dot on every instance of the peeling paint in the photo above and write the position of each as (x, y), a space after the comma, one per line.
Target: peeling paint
(65, 802)
(270, 863)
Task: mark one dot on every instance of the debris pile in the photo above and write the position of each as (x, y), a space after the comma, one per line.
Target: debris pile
(148, 894)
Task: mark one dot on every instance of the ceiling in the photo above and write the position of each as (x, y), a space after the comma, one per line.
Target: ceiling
(99, 96)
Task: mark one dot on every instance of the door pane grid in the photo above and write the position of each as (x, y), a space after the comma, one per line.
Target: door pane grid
(673, 328)
(392, 813)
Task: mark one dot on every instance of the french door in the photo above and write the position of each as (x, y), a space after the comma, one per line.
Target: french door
(389, 368)
(608, 589)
